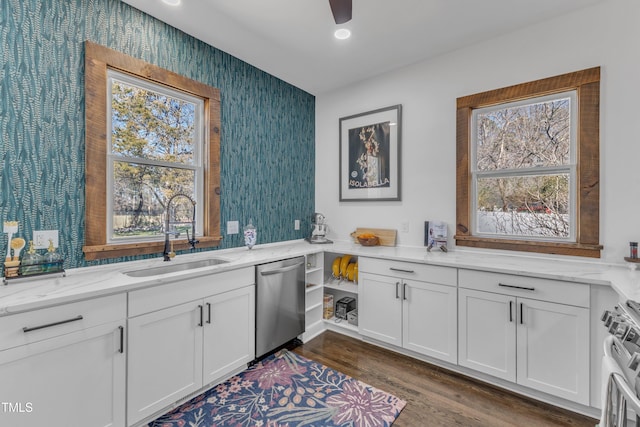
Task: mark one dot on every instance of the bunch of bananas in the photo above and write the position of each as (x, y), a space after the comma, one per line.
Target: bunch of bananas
(343, 269)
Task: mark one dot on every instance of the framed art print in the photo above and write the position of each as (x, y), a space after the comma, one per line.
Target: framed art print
(370, 155)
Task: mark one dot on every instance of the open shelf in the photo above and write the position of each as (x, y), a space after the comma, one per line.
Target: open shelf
(341, 323)
(314, 306)
(313, 270)
(312, 287)
(341, 285)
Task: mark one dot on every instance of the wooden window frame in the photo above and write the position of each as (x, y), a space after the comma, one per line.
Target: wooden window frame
(98, 59)
(586, 83)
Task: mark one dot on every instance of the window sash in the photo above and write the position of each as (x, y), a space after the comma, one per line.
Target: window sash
(196, 165)
(570, 169)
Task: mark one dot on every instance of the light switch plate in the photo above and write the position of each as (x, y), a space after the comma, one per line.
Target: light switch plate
(233, 227)
(296, 224)
(41, 238)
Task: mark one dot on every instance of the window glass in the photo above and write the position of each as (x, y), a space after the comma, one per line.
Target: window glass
(532, 134)
(530, 206)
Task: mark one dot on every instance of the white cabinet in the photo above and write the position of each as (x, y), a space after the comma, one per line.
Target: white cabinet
(229, 324)
(487, 340)
(409, 305)
(186, 335)
(165, 359)
(67, 367)
(313, 295)
(430, 320)
(380, 310)
(507, 331)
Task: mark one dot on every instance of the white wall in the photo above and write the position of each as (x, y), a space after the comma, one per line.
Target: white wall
(605, 35)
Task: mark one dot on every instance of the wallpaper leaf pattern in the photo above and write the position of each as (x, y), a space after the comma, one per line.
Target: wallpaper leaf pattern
(267, 147)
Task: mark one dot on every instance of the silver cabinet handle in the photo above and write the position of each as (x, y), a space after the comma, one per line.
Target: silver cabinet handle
(201, 315)
(397, 286)
(524, 288)
(121, 349)
(510, 311)
(404, 291)
(281, 270)
(521, 316)
(48, 325)
(401, 270)
(209, 310)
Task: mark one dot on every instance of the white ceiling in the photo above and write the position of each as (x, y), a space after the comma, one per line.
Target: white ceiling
(293, 39)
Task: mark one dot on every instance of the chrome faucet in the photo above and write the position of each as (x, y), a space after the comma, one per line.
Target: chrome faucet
(168, 253)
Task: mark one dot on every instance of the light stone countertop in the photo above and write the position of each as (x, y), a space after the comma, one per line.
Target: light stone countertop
(90, 282)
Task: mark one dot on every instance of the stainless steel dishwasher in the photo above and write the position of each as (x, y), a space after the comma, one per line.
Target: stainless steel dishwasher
(279, 303)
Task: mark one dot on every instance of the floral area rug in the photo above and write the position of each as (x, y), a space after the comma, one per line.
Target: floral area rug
(287, 390)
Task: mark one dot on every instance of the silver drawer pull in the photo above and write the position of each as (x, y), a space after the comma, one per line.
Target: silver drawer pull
(48, 325)
(524, 288)
(401, 270)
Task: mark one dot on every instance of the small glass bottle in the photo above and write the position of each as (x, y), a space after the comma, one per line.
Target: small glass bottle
(32, 261)
(52, 259)
(633, 250)
(250, 234)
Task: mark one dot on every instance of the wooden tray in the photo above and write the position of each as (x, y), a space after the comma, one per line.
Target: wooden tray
(387, 236)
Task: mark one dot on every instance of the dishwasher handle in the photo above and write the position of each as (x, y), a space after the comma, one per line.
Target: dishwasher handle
(281, 270)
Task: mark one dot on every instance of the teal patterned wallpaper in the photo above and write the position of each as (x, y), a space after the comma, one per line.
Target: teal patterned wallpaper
(267, 147)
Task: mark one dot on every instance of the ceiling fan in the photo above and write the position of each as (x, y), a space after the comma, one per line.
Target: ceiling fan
(341, 10)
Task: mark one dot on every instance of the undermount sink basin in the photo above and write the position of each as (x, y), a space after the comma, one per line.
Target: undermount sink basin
(173, 268)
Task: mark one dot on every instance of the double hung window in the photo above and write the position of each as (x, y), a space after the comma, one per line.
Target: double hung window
(523, 169)
(155, 152)
(528, 166)
(150, 134)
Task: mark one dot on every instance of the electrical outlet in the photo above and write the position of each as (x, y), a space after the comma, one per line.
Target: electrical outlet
(405, 226)
(233, 227)
(296, 224)
(41, 238)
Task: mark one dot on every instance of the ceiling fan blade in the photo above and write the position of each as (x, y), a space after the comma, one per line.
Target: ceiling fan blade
(341, 10)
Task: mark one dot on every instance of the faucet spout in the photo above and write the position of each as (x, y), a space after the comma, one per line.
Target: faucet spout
(168, 252)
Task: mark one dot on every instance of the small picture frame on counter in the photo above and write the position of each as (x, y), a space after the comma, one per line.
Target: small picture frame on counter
(435, 235)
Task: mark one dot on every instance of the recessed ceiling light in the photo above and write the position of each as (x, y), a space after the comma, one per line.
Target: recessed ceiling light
(172, 2)
(342, 34)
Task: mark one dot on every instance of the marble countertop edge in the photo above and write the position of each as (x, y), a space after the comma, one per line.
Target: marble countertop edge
(103, 280)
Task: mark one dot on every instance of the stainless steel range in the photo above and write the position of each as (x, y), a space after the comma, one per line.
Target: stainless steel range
(621, 365)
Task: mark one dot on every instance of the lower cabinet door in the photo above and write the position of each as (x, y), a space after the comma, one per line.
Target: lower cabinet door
(487, 333)
(75, 380)
(380, 308)
(229, 332)
(164, 357)
(553, 349)
(430, 320)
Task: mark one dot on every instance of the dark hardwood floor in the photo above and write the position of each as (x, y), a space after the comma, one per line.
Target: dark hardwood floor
(434, 396)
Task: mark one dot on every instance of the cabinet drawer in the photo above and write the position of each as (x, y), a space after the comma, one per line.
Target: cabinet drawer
(524, 286)
(409, 270)
(185, 290)
(37, 325)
